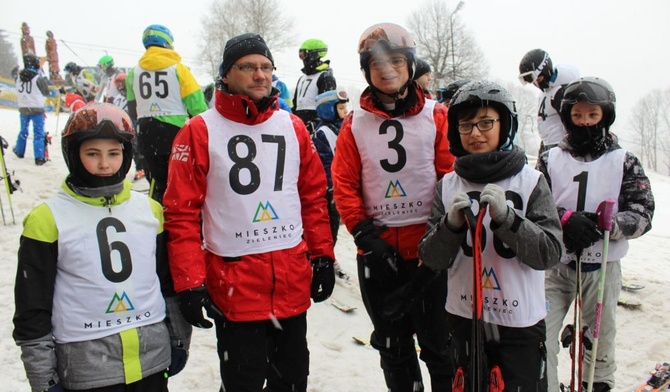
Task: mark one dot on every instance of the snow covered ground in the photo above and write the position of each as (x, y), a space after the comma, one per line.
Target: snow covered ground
(337, 362)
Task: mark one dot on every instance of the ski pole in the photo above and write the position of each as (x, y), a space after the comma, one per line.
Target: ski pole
(6, 179)
(605, 212)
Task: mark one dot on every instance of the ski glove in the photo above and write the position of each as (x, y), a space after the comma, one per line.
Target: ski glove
(580, 231)
(379, 256)
(178, 362)
(494, 195)
(400, 301)
(455, 218)
(192, 302)
(323, 278)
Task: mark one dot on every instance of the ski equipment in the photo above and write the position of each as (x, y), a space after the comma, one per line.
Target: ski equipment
(342, 306)
(659, 380)
(630, 286)
(326, 102)
(10, 185)
(534, 64)
(605, 213)
(629, 303)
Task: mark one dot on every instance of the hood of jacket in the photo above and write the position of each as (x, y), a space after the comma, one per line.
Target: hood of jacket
(158, 58)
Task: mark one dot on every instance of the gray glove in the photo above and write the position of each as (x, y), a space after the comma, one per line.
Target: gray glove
(494, 195)
(455, 217)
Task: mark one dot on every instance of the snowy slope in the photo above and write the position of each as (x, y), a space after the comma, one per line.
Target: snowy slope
(337, 363)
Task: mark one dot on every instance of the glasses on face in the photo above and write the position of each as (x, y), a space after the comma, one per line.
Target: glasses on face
(482, 125)
(396, 62)
(251, 68)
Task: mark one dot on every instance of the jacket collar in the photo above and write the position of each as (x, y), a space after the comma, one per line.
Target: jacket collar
(240, 108)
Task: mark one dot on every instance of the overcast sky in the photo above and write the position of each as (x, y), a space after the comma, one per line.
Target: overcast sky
(622, 41)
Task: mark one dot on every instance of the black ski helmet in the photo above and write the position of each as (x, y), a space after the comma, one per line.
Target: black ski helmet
(534, 64)
(595, 91)
(72, 68)
(386, 38)
(480, 94)
(31, 61)
(422, 68)
(446, 93)
(97, 121)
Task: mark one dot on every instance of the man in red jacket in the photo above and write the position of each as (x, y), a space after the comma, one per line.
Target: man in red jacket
(249, 235)
(390, 154)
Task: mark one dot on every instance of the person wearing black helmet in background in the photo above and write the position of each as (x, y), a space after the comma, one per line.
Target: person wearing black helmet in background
(31, 87)
(390, 154)
(423, 76)
(588, 167)
(81, 81)
(317, 78)
(536, 67)
(444, 94)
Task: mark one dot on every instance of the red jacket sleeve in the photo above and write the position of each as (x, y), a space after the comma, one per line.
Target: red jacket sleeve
(346, 173)
(183, 201)
(444, 161)
(312, 190)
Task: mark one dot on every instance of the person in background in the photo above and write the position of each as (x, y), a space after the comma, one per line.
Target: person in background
(95, 306)
(284, 94)
(390, 154)
(162, 94)
(31, 87)
(331, 108)
(586, 168)
(444, 94)
(248, 221)
(108, 90)
(521, 239)
(81, 81)
(317, 78)
(536, 67)
(121, 101)
(423, 76)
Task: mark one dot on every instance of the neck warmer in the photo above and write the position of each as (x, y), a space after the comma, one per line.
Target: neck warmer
(102, 191)
(491, 166)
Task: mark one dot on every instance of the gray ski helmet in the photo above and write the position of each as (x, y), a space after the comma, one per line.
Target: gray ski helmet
(386, 38)
(593, 90)
(534, 64)
(480, 94)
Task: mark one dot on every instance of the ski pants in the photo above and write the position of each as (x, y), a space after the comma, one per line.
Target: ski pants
(395, 341)
(154, 140)
(519, 353)
(154, 383)
(38, 135)
(252, 352)
(560, 286)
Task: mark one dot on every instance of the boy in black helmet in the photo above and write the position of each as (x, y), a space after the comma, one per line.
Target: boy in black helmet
(587, 167)
(522, 239)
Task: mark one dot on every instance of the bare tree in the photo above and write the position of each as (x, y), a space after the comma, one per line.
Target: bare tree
(228, 18)
(650, 123)
(446, 44)
(7, 57)
(526, 109)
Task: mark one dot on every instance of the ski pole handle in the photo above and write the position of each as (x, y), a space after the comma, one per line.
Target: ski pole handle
(605, 213)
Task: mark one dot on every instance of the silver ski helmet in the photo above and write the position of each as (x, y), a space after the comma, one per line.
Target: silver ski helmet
(480, 94)
(386, 38)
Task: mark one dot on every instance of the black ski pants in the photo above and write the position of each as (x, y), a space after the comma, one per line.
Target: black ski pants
(519, 352)
(252, 352)
(154, 141)
(157, 382)
(395, 339)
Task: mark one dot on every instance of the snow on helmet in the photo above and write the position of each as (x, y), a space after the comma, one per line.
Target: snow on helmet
(480, 94)
(106, 62)
(446, 93)
(31, 61)
(534, 64)
(326, 102)
(157, 35)
(595, 91)
(97, 121)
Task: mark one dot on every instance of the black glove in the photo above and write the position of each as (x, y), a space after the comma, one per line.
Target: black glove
(401, 300)
(581, 231)
(323, 278)
(178, 362)
(191, 303)
(55, 388)
(380, 257)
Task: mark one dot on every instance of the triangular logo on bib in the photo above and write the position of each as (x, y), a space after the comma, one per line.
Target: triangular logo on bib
(490, 280)
(265, 212)
(395, 189)
(120, 303)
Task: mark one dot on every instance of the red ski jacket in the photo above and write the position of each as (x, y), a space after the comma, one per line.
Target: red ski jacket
(255, 286)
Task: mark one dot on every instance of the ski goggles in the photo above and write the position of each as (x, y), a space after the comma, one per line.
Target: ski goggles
(528, 77)
(100, 120)
(342, 96)
(584, 90)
